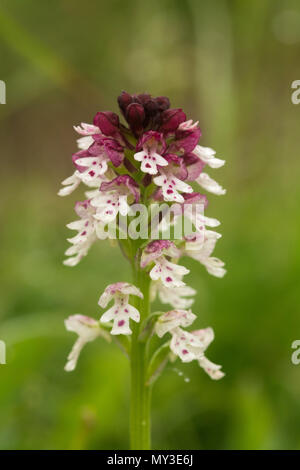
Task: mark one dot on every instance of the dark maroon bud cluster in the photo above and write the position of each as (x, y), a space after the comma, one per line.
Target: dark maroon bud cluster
(143, 112)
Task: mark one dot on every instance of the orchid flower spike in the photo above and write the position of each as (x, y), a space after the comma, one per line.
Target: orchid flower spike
(153, 158)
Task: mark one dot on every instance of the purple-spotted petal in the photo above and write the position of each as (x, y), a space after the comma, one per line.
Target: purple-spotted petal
(156, 248)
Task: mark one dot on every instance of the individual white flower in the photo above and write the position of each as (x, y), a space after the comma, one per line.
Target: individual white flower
(206, 335)
(70, 184)
(112, 198)
(191, 346)
(205, 242)
(93, 176)
(86, 130)
(87, 329)
(96, 166)
(193, 210)
(207, 155)
(201, 251)
(150, 143)
(88, 229)
(169, 273)
(174, 296)
(210, 185)
(171, 320)
(171, 186)
(185, 345)
(108, 205)
(121, 312)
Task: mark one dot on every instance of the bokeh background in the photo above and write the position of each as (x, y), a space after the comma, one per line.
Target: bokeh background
(230, 65)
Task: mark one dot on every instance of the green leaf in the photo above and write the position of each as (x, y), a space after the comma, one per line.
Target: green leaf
(157, 363)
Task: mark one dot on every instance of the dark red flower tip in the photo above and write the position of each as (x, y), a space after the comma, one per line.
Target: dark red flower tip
(142, 98)
(171, 118)
(135, 115)
(187, 139)
(151, 107)
(163, 103)
(124, 100)
(108, 122)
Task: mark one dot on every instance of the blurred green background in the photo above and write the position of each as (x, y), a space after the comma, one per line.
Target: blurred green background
(230, 65)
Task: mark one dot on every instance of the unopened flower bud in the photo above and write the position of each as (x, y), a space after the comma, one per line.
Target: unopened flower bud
(171, 118)
(135, 116)
(162, 102)
(143, 98)
(107, 122)
(124, 100)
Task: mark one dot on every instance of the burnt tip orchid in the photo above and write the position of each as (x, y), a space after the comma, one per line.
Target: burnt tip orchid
(148, 156)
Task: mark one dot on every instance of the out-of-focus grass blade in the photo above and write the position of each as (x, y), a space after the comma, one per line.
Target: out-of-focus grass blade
(41, 56)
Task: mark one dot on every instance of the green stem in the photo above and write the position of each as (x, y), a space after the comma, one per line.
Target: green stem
(140, 433)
